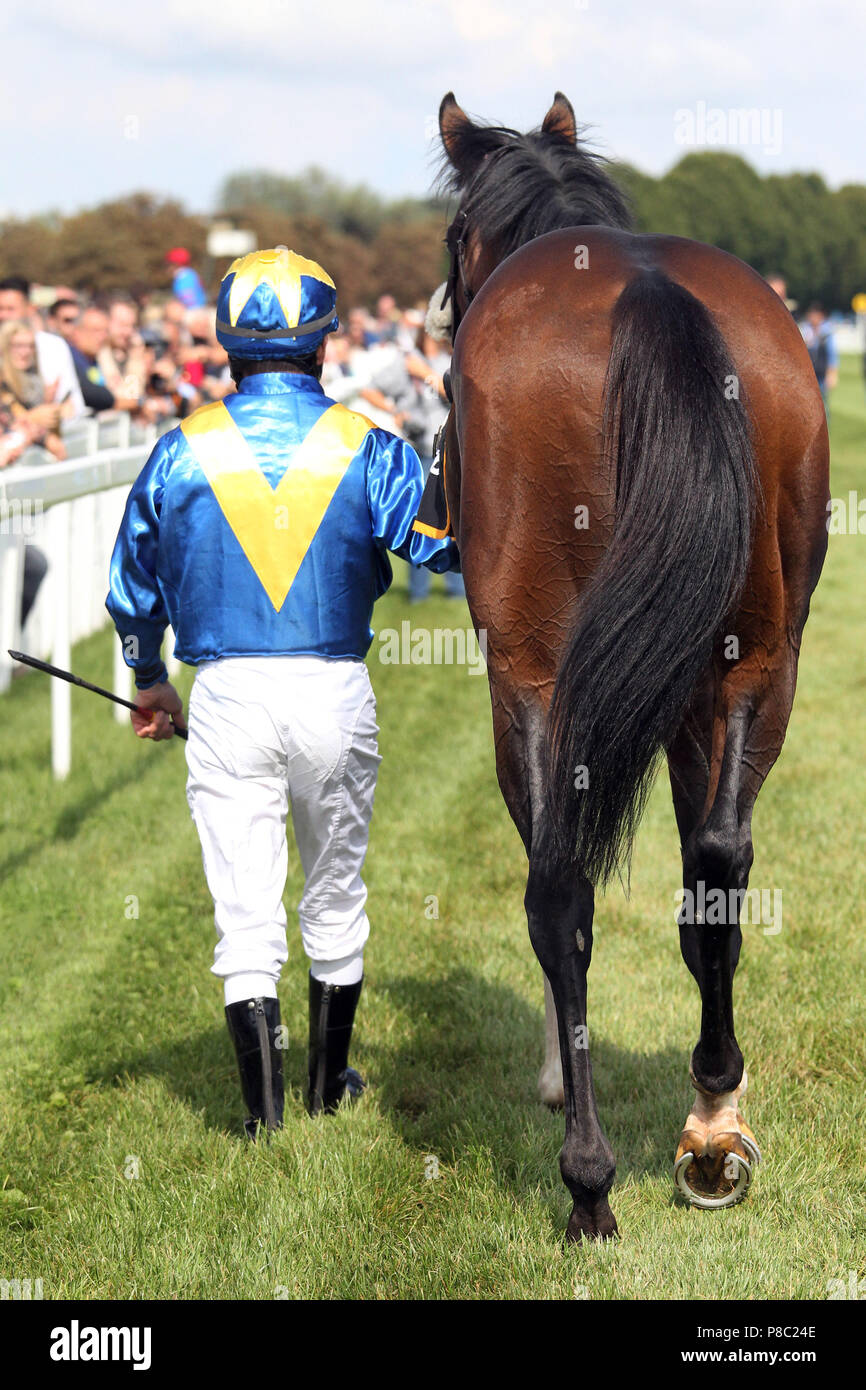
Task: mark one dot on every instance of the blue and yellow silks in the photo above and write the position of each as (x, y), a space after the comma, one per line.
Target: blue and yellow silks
(260, 526)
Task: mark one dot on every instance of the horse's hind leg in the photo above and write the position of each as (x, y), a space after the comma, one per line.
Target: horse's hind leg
(517, 723)
(559, 909)
(726, 745)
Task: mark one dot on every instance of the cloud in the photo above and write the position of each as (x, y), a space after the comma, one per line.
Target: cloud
(283, 83)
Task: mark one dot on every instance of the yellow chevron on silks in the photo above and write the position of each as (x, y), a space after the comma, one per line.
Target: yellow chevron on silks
(274, 526)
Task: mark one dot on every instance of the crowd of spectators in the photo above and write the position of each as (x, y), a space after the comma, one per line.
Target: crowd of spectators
(161, 359)
(77, 357)
(156, 358)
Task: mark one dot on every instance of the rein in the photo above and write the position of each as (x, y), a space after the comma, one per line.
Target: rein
(455, 240)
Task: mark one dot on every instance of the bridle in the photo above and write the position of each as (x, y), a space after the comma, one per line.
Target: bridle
(455, 240)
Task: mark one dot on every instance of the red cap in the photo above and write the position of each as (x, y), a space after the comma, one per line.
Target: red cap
(178, 255)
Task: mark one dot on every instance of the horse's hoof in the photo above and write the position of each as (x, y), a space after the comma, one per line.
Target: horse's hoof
(717, 1153)
(591, 1223)
(714, 1171)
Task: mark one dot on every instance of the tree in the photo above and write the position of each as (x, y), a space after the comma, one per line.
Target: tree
(790, 223)
(29, 248)
(409, 260)
(124, 242)
(356, 210)
(849, 212)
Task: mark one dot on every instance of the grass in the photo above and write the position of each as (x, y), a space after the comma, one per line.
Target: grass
(122, 1170)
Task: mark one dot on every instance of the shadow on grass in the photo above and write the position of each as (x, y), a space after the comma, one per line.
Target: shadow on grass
(201, 1071)
(469, 1078)
(71, 818)
(461, 1080)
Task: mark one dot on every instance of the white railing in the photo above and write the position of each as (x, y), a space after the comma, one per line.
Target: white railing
(71, 511)
(113, 429)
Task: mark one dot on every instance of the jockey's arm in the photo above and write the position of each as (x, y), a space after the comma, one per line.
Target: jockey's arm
(135, 600)
(395, 482)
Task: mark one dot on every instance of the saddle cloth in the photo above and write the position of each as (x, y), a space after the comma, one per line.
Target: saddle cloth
(433, 517)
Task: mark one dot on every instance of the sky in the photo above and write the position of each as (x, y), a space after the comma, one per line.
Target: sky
(171, 96)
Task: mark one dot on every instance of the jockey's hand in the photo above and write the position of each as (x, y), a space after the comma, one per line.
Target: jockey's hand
(163, 700)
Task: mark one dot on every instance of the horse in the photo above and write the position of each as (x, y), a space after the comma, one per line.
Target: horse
(636, 470)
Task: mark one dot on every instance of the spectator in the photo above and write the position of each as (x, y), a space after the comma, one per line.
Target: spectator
(361, 329)
(123, 359)
(409, 321)
(189, 367)
(17, 431)
(821, 344)
(427, 366)
(175, 334)
(384, 388)
(779, 284)
(387, 319)
(88, 338)
(203, 349)
(23, 391)
(61, 317)
(216, 381)
(337, 380)
(141, 294)
(52, 353)
(186, 284)
(179, 365)
(15, 434)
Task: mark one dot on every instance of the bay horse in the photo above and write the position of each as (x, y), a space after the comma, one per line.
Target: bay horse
(636, 467)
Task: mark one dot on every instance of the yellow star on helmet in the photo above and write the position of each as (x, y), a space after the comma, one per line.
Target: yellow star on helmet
(282, 270)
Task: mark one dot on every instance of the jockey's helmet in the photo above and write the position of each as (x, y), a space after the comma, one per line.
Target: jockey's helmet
(275, 304)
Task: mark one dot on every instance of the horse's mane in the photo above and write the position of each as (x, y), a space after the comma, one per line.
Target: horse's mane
(530, 184)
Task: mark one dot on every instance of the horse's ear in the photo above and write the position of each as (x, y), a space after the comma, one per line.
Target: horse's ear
(456, 130)
(560, 119)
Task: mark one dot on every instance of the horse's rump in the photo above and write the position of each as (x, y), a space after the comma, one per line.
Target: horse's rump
(614, 558)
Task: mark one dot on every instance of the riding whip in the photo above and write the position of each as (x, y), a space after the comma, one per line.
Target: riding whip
(85, 685)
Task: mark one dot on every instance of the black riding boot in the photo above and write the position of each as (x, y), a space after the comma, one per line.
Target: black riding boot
(332, 1013)
(253, 1025)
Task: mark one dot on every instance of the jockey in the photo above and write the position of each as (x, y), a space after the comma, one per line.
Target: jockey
(258, 529)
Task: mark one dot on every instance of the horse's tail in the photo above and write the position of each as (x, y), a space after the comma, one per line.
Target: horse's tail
(686, 484)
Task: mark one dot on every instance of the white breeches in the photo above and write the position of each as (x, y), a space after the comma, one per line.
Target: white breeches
(266, 733)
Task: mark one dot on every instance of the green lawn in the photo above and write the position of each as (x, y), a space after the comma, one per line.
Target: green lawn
(115, 1059)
